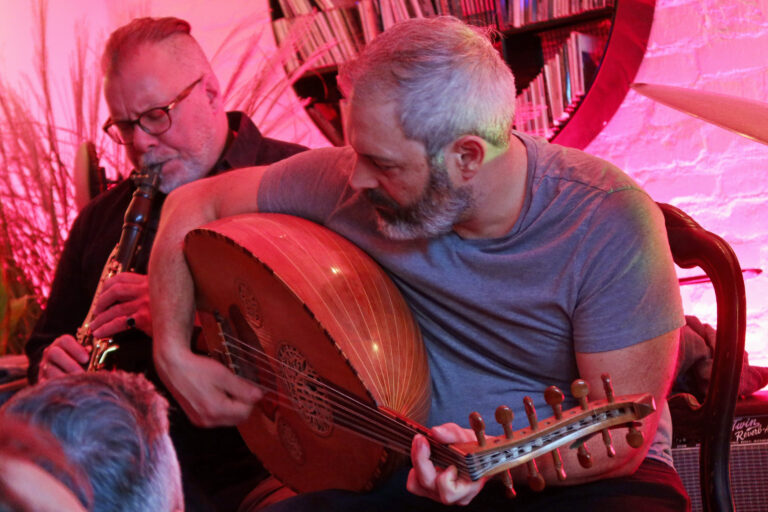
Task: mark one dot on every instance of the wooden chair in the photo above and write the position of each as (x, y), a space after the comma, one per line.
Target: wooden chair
(711, 421)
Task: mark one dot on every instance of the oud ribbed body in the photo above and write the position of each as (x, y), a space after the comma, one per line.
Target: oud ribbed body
(307, 315)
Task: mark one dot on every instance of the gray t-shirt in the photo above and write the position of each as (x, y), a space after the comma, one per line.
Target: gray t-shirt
(586, 268)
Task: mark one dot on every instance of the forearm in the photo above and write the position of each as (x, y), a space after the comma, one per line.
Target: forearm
(646, 367)
(625, 461)
(171, 288)
(209, 393)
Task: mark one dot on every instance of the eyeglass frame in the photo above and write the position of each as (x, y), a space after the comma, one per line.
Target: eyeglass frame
(166, 110)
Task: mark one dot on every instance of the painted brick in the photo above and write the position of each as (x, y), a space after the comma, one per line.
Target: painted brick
(748, 251)
(709, 45)
(675, 25)
(682, 184)
(745, 177)
(669, 68)
(732, 53)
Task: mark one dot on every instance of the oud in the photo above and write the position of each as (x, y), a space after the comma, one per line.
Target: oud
(313, 321)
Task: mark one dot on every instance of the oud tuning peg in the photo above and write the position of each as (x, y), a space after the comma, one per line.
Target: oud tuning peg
(558, 462)
(554, 398)
(504, 417)
(608, 442)
(634, 436)
(506, 479)
(580, 391)
(530, 411)
(585, 458)
(608, 387)
(535, 480)
(478, 425)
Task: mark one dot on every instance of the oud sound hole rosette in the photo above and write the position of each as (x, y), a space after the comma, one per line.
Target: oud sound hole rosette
(305, 388)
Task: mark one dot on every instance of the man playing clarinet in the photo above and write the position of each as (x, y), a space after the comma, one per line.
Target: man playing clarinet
(167, 110)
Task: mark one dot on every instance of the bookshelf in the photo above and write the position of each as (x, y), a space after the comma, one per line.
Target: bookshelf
(573, 60)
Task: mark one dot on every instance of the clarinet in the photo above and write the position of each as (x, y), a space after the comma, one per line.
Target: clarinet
(121, 258)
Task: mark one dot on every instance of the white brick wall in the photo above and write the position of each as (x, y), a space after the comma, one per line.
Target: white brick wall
(719, 178)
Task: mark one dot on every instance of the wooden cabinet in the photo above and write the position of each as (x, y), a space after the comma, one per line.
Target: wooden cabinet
(573, 60)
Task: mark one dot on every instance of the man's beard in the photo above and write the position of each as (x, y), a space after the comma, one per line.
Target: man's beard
(440, 206)
(175, 172)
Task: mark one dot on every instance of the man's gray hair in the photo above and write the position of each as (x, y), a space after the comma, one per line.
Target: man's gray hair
(126, 39)
(114, 425)
(20, 441)
(446, 78)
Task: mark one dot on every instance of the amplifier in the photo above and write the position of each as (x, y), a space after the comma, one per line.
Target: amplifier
(748, 459)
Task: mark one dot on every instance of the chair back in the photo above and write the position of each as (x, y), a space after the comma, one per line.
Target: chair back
(711, 422)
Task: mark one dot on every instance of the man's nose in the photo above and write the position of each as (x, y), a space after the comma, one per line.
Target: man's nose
(142, 141)
(363, 176)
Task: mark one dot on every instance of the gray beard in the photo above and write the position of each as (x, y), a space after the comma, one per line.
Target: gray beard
(434, 214)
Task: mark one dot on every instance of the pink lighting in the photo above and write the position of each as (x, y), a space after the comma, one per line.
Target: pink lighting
(719, 178)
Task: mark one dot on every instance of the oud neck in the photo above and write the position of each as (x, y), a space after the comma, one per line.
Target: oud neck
(500, 453)
(405, 429)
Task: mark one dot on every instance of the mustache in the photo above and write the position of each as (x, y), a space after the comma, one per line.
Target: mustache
(150, 162)
(378, 198)
(153, 160)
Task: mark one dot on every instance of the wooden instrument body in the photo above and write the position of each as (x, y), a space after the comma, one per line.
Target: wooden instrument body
(308, 305)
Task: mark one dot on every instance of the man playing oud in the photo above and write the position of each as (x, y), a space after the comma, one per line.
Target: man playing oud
(526, 264)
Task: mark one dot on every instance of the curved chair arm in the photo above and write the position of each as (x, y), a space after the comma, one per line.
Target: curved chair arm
(693, 246)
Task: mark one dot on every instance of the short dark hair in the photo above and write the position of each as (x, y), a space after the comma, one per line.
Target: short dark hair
(115, 426)
(139, 31)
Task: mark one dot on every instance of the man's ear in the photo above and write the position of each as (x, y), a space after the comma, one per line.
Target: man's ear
(213, 91)
(468, 152)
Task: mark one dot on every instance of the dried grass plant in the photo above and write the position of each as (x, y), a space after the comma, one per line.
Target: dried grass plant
(37, 149)
(36, 183)
(263, 91)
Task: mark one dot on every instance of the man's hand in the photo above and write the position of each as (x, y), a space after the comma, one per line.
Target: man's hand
(209, 393)
(445, 485)
(123, 296)
(62, 357)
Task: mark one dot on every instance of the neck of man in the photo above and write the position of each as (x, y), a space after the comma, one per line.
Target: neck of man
(499, 194)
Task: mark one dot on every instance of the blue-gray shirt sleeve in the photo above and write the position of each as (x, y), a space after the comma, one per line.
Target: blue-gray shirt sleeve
(308, 185)
(629, 291)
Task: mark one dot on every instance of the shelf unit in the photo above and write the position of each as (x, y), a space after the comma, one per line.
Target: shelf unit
(593, 53)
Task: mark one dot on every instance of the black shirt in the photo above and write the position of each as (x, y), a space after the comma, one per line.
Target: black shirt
(211, 459)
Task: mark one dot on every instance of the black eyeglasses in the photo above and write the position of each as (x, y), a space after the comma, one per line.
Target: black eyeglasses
(154, 121)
